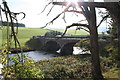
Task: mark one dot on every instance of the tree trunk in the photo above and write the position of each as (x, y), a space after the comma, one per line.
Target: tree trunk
(96, 70)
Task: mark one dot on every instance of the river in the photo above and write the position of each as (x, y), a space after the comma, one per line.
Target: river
(40, 55)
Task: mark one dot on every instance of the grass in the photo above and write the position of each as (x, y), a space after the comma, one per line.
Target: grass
(73, 31)
(24, 34)
(111, 74)
(70, 66)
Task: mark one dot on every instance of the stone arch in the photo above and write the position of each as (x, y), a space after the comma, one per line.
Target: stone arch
(67, 49)
(34, 44)
(52, 46)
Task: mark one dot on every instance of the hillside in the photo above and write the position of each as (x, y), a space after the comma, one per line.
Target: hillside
(24, 34)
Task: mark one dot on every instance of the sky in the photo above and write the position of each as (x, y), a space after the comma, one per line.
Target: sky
(36, 19)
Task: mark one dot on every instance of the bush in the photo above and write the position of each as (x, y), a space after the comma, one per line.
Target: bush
(84, 44)
(112, 48)
(66, 67)
(107, 64)
(22, 70)
(53, 33)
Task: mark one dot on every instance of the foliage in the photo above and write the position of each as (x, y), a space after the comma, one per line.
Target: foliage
(113, 50)
(24, 34)
(107, 64)
(66, 67)
(103, 44)
(29, 70)
(84, 44)
(74, 66)
(4, 23)
(17, 69)
(72, 31)
(109, 68)
(113, 46)
(23, 66)
(112, 30)
(53, 33)
(112, 74)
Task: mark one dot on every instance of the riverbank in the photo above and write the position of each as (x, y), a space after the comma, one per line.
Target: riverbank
(75, 66)
(18, 50)
(72, 66)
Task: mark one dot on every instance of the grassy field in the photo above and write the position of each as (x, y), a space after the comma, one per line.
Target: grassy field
(24, 34)
(73, 31)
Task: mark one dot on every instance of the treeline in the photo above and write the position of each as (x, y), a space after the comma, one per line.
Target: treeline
(4, 23)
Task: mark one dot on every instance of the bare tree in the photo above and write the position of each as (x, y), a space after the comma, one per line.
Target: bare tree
(88, 10)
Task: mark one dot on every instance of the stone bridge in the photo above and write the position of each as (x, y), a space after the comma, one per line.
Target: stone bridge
(54, 44)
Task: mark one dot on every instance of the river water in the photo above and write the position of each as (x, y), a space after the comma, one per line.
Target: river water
(40, 55)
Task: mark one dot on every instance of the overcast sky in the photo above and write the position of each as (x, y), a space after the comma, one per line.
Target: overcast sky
(33, 8)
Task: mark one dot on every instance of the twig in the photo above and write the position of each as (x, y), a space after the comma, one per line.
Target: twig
(66, 9)
(64, 18)
(50, 10)
(46, 7)
(52, 20)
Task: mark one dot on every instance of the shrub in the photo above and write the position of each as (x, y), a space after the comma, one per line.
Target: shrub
(84, 44)
(22, 70)
(112, 48)
(53, 33)
(66, 67)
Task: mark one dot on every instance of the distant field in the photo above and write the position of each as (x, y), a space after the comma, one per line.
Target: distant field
(25, 34)
(73, 31)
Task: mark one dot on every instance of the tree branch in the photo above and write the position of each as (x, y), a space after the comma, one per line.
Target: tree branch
(53, 20)
(64, 18)
(64, 32)
(50, 10)
(46, 7)
(66, 9)
(75, 11)
(83, 29)
(95, 4)
(103, 20)
(77, 24)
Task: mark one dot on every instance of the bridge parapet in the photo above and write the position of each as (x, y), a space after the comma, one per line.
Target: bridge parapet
(60, 41)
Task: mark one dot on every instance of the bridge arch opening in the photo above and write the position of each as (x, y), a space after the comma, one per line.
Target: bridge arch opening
(67, 49)
(52, 46)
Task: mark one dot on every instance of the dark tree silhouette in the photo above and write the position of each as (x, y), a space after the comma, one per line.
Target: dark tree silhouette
(88, 10)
